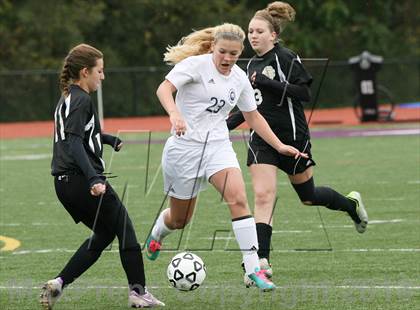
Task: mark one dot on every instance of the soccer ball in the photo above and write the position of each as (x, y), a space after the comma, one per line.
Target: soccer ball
(186, 271)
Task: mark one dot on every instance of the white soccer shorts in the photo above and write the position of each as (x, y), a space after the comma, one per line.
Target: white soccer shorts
(187, 166)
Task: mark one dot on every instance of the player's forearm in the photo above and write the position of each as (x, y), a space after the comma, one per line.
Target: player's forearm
(78, 152)
(164, 94)
(300, 92)
(261, 127)
(235, 119)
(111, 140)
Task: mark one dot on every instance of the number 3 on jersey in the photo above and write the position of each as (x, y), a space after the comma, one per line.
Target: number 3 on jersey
(258, 96)
(216, 106)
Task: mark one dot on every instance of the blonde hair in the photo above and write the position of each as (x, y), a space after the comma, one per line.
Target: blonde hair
(200, 42)
(277, 14)
(79, 57)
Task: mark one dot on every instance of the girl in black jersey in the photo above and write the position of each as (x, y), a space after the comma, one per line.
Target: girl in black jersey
(77, 167)
(281, 83)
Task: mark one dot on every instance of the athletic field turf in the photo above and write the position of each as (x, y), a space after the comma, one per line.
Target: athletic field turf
(314, 268)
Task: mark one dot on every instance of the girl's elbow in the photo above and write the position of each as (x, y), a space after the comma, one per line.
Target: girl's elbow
(309, 94)
(159, 89)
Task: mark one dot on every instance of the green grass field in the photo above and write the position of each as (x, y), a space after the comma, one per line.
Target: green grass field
(377, 270)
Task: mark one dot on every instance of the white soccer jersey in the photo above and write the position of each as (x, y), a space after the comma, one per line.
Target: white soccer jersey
(205, 97)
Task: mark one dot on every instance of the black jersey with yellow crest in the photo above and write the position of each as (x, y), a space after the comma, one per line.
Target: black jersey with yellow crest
(76, 115)
(286, 117)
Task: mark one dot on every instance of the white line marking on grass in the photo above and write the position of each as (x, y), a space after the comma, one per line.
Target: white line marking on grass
(387, 199)
(361, 287)
(395, 132)
(291, 231)
(391, 221)
(379, 250)
(154, 180)
(371, 222)
(25, 147)
(337, 226)
(32, 224)
(308, 250)
(217, 238)
(386, 221)
(26, 157)
(215, 287)
(274, 232)
(414, 182)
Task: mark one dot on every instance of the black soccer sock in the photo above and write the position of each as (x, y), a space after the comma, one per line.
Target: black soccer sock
(132, 262)
(130, 252)
(264, 232)
(325, 196)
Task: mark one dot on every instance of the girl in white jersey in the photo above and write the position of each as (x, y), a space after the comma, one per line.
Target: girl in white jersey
(209, 84)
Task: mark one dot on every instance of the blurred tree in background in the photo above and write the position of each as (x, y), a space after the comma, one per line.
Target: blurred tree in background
(37, 34)
(133, 34)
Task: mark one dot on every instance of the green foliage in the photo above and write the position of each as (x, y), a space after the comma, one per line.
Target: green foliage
(39, 34)
(135, 33)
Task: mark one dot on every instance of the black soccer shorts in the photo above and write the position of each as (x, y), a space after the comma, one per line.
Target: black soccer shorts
(106, 215)
(262, 153)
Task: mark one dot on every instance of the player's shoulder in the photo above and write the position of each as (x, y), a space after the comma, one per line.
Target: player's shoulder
(193, 64)
(284, 52)
(239, 73)
(78, 98)
(197, 60)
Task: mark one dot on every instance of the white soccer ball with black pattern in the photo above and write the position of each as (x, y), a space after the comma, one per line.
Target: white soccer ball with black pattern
(186, 271)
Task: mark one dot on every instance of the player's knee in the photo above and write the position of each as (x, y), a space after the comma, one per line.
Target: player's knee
(238, 202)
(99, 242)
(130, 247)
(264, 197)
(306, 192)
(307, 203)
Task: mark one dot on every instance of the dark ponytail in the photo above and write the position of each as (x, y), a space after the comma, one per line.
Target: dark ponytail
(79, 57)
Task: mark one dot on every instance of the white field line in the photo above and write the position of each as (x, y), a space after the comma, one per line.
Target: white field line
(386, 221)
(337, 226)
(155, 177)
(391, 221)
(406, 250)
(291, 231)
(414, 182)
(371, 222)
(26, 147)
(218, 287)
(387, 199)
(274, 232)
(26, 157)
(396, 132)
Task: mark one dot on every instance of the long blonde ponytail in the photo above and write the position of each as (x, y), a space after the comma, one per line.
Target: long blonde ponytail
(200, 42)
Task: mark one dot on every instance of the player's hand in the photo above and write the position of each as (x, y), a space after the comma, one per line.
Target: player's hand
(289, 150)
(252, 78)
(178, 123)
(97, 189)
(118, 147)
